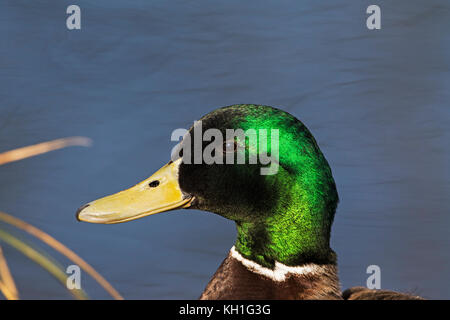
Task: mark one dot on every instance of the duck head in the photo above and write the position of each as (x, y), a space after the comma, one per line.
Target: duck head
(283, 208)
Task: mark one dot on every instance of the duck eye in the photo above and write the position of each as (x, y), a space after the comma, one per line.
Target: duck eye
(153, 184)
(230, 146)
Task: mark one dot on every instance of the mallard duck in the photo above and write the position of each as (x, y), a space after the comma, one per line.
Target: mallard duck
(283, 219)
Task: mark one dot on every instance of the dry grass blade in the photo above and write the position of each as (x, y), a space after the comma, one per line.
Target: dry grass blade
(58, 246)
(7, 284)
(6, 292)
(40, 148)
(41, 260)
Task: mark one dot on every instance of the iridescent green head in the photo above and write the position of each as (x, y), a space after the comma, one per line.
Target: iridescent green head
(285, 216)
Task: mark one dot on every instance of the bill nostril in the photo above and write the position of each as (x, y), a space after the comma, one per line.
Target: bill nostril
(77, 215)
(153, 184)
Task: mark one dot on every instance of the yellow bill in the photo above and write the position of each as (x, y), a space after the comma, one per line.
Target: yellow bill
(161, 192)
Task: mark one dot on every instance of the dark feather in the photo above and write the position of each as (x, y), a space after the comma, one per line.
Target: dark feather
(361, 293)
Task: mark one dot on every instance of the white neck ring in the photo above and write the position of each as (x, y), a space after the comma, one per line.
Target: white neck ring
(280, 271)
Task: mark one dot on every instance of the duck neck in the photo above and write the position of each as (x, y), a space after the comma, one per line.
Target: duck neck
(294, 229)
(284, 240)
